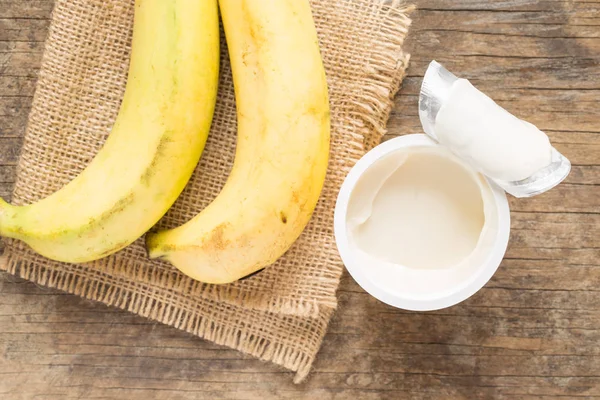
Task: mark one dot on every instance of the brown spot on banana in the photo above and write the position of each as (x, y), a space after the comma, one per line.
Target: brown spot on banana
(160, 150)
(216, 239)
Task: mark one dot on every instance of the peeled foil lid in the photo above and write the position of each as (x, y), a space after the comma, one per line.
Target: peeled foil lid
(435, 92)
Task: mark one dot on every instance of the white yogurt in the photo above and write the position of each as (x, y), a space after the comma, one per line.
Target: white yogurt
(515, 154)
(421, 209)
(417, 227)
(501, 145)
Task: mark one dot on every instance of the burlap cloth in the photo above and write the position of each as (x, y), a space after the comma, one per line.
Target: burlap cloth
(281, 314)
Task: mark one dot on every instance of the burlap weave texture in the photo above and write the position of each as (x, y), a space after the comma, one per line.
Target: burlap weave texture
(281, 314)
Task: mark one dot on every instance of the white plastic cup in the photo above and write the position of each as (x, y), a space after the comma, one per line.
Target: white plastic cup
(384, 291)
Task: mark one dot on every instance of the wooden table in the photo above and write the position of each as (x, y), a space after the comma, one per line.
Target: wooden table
(532, 332)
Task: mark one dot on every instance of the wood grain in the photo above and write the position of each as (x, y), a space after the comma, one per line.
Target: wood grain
(531, 333)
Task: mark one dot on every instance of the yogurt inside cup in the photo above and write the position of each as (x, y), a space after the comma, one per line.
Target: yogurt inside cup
(421, 209)
(417, 227)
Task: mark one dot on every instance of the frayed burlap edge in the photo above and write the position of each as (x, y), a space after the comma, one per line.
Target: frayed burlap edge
(235, 337)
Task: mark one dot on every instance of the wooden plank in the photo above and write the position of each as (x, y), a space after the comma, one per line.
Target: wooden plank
(13, 116)
(10, 148)
(17, 86)
(23, 29)
(30, 9)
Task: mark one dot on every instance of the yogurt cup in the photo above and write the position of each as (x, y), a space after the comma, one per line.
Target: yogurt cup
(384, 282)
(522, 163)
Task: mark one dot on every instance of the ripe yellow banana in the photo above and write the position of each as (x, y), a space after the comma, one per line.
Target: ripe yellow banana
(153, 148)
(282, 150)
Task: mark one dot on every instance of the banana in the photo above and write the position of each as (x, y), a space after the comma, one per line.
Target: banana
(282, 150)
(153, 148)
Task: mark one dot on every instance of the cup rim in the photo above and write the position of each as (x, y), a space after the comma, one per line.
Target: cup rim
(360, 273)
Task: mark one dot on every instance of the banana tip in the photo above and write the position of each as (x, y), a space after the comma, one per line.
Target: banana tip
(151, 249)
(154, 248)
